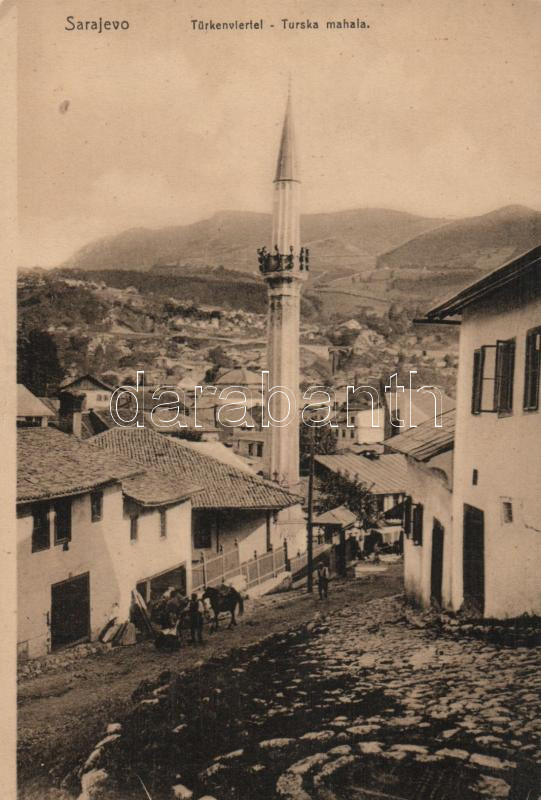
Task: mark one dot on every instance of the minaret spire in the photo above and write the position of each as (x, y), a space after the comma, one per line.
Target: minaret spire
(287, 168)
(284, 269)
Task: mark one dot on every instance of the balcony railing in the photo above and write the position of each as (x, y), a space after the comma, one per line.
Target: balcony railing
(283, 262)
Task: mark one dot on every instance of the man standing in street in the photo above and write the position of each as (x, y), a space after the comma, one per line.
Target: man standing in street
(195, 611)
(322, 580)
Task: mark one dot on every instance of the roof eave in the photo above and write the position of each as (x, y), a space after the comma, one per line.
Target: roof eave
(74, 492)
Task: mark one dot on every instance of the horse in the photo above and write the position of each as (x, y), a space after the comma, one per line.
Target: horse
(224, 602)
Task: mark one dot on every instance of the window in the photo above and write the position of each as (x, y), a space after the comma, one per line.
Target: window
(259, 450)
(418, 524)
(96, 506)
(62, 520)
(475, 477)
(41, 537)
(492, 382)
(507, 511)
(202, 535)
(133, 528)
(532, 368)
(163, 523)
(202, 540)
(503, 376)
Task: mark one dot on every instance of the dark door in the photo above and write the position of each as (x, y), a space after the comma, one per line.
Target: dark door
(175, 578)
(436, 574)
(70, 611)
(474, 559)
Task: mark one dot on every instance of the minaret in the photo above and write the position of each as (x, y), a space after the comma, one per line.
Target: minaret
(283, 269)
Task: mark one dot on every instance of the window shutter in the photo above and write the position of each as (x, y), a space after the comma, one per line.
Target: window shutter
(62, 520)
(532, 368)
(41, 537)
(407, 516)
(477, 381)
(503, 376)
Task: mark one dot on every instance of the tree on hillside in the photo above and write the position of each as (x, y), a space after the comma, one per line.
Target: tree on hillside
(38, 367)
(220, 360)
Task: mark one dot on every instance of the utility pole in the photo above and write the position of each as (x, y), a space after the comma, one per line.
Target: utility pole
(310, 533)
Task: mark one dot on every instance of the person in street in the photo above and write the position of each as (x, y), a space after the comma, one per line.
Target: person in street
(175, 609)
(323, 580)
(195, 612)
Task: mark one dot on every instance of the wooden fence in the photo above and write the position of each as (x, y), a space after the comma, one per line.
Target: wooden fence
(227, 565)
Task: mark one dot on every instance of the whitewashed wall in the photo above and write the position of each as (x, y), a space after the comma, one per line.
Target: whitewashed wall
(105, 551)
(431, 489)
(506, 452)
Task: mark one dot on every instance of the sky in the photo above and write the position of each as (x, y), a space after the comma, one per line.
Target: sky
(433, 109)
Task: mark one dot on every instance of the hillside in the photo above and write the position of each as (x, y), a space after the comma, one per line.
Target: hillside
(341, 239)
(476, 243)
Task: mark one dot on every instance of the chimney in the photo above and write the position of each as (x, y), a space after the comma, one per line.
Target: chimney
(70, 412)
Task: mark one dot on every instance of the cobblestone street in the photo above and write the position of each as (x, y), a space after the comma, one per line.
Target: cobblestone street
(367, 702)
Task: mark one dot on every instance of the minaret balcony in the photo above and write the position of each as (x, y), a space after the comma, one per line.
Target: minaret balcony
(283, 262)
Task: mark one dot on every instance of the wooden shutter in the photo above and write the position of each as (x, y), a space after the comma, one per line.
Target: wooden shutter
(407, 516)
(62, 520)
(484, 374)
(532, 369)
(41, 538)
(503, 376)
(477, 381)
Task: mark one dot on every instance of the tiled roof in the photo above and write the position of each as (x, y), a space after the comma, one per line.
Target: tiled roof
(97, 421)
(153, 488)
(383, 475)
(426, 441)
(86, 379)
(28, 405)
(336, 516)
(222, 453)
(52, 403)
(54, 464)
(225, 486)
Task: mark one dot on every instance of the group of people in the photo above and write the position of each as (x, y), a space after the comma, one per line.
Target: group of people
(170, 611)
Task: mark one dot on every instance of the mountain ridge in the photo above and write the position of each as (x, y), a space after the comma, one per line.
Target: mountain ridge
(231, 238)
(482, 242)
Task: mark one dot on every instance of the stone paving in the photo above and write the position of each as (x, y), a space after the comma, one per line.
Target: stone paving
(366, 703)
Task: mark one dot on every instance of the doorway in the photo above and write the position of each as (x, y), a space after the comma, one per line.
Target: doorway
(436, 572)
(474, 559)
(70, 611)
(152, 588)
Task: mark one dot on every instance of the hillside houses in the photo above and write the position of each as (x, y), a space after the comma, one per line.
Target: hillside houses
(31, 411)
(97, 394)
